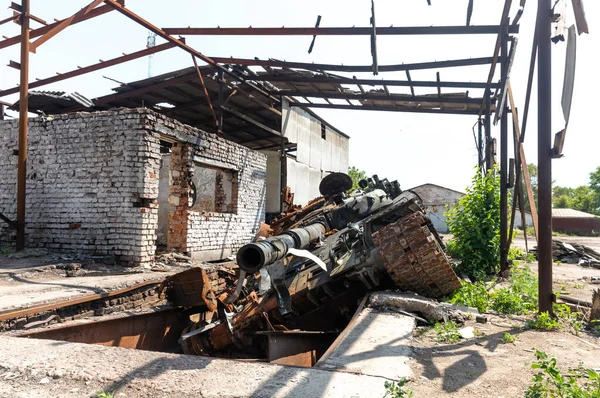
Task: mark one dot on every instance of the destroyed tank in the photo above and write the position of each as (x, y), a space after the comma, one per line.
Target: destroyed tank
(322, 259)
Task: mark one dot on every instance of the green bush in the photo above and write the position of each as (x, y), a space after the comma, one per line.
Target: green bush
(543, 321)
(471, 295)
(475, 224)
(514, 253)
(520, 297)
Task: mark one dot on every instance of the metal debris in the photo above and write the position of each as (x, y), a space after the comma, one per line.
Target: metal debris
(573, 253)
(311, 271)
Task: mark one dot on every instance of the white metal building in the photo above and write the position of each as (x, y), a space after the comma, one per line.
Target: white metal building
(321, 149)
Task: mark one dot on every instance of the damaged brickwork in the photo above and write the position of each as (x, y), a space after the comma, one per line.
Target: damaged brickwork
(93, 186)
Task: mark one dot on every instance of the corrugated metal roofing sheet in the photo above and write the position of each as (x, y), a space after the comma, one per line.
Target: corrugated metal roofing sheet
(570, 213)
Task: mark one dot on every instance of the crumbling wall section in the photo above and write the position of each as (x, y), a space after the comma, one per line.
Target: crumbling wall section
(212, 235)
(91, 184)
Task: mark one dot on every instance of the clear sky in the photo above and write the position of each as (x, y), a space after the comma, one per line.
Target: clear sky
(413, 148)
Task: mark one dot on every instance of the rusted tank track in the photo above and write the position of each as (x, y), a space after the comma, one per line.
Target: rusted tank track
(414, 258)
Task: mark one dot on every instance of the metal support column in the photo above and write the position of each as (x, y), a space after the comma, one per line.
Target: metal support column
(489, 150)
(504, 150)
(544, 155)
(1, 111)
(220, 114)
(282, 173)
(23, 127)
(480, 144)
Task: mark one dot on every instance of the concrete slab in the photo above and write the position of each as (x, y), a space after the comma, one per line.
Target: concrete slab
(375, 343)
(32, 368)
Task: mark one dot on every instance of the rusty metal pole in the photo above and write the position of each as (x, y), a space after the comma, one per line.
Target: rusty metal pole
(544, 155)
(23, 126)
(489, 151)
(1, 111)
(504, 149)
(220, 113)
(283, 173)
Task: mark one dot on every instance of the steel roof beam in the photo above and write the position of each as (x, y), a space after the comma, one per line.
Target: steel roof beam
(178, 42)
(43, 30)
(92, 68)
(378, 97)
(370, 82)
(356, 68)
(389, 109)
(341, 31)
(250, 120)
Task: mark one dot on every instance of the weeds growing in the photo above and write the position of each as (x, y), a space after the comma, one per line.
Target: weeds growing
(397, 389)
(549, 381)
(508, 338)
(447, 332)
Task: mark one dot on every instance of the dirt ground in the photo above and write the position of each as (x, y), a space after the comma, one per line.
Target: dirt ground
(37, 277)
(482, 366)
(485, 366)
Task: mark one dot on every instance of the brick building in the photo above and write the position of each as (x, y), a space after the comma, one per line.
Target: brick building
(436, 201)
(147, 166)
(118, 182)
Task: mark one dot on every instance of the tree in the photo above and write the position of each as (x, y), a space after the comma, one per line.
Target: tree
(595, 180)
(475, 224)
(562, 197)
(585, 199)
(595, 187)
(533, 176)
(356, 176)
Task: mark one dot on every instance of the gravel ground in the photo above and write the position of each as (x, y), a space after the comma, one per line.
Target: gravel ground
(43, 368)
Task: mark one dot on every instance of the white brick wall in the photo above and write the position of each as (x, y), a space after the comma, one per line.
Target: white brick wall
(93, 183)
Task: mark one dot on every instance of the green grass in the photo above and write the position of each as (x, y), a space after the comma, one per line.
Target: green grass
(447, 332)
(508, 338)
(103, 394)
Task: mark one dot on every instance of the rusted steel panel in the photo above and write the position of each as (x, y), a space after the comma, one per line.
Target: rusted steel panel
(156, 331)
(191, 288)
(297, 348)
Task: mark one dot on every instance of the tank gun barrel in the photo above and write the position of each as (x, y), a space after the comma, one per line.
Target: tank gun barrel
(253, 256)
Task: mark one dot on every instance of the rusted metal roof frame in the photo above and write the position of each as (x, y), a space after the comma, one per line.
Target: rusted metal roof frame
(378, 97)
(340, 31)
(496, 54)
(45, 29)
(372, 82)
(355, 68)
(92, 68)
(62, 25)
(388, 108)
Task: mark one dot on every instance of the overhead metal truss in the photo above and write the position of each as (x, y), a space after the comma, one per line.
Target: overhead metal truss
(232, 78)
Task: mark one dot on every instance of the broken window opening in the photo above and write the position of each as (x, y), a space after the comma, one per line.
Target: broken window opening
(165, 147)
(213, 189)
(323, 131)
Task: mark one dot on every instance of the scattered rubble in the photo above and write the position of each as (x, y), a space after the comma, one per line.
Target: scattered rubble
(573, 253)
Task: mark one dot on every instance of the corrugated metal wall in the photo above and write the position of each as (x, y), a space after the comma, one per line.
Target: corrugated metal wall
(315, 156)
